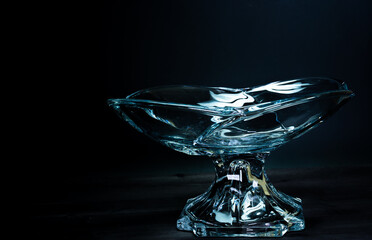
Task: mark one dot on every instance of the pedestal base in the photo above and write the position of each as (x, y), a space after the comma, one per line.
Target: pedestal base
(241, 203)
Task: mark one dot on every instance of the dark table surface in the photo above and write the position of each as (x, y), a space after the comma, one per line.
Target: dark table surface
(109, 205)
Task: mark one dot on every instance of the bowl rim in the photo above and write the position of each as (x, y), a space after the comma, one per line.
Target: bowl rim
(228, 110)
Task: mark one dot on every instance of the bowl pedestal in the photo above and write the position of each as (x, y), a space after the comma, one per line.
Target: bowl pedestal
(241, 202)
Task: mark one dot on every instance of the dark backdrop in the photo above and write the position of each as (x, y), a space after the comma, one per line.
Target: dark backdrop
(123, 46)
(78, 155)
(237, 44)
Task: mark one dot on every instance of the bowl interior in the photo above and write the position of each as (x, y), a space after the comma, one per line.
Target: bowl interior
(213, 121)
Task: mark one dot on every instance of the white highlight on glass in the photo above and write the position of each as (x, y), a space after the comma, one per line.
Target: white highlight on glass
(285, 87)
(227, 99)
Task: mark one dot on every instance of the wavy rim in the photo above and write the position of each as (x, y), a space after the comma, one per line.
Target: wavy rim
(228, 110)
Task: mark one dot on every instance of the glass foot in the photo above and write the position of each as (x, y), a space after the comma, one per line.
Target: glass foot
(241, 202)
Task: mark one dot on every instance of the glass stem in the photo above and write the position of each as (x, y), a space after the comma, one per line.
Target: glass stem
(241, 197)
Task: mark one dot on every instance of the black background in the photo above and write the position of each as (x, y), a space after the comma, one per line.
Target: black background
(239, 44)
(77, 150)
(92, 53)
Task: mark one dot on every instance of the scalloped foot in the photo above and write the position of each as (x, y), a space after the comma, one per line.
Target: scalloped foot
(241, 203)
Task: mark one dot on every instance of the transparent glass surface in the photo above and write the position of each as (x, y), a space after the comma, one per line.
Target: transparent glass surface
(236, 128)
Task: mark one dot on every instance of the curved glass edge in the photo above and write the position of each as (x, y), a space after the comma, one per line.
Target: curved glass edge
(224, 133)
(293, 90)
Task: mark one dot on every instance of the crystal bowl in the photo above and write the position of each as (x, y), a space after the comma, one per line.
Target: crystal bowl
(237, 128)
